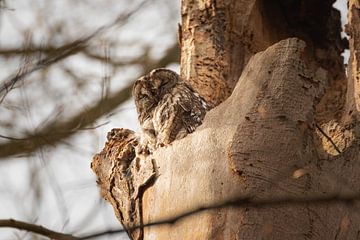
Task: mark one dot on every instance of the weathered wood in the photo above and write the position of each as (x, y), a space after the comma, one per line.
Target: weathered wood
(122, 177)
(219, 37)
(353, 30)
(258, 145)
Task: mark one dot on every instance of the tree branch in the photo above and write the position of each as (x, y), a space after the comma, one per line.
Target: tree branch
(11, 223)
(237, 202)
(54, 132)
(328, 138)
(63, 52)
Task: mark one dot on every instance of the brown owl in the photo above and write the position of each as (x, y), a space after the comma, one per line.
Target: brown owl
(168, 108)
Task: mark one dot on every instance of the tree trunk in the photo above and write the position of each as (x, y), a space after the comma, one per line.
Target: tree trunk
(278, 157)
(268, 144)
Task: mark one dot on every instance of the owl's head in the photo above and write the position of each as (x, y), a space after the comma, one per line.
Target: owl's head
(145, 98)
(162, 80)
(149, 90)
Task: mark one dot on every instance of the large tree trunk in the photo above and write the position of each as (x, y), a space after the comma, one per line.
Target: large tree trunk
(268, 143)
(278, 157)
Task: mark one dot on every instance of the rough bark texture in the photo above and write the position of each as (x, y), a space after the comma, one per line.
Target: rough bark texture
(353, 30)
(282, 143)
(219, 37)
(122, 177)
(258, 145)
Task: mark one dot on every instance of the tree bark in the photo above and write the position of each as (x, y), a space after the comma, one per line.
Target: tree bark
(262, 144)
(258, 147)
(353, 30)
(219, 37)
(278, 155)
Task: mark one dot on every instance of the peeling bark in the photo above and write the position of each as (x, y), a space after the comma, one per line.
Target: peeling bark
(122, 177)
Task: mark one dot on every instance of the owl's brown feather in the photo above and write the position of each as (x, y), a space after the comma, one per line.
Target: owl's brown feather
(168, 108)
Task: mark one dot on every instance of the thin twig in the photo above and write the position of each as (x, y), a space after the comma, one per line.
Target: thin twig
(11, 223)
(12, 138)
(236, 202)
(56, 131)
(328, 138)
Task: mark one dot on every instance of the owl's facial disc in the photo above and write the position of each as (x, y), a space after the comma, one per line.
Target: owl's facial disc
(163, 80)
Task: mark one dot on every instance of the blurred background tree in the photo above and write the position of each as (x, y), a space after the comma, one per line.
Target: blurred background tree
(66, 73)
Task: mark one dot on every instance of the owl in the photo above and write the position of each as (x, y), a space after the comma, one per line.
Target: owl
(168, 108)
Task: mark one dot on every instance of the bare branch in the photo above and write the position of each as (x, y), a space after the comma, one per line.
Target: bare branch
(54, 132)
(237, 202)
(240, 202)
(143, 60)
(58, 55)
(63, 52)
(11, 223)
(328, 138)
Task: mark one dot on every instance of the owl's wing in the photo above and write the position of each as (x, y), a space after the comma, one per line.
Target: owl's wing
(178, 113)
(193, 111)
